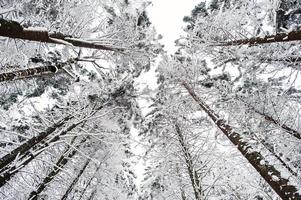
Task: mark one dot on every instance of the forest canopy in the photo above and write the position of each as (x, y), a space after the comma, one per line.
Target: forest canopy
(222, 123)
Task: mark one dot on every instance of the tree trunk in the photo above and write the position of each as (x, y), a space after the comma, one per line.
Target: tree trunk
(13, 29)
(269, 173)
(24, 148)
(74, 182)
(183, 195)
(194, 178)
(269, 118)
(29, 73)
(280, 37)
(92, 195)
(89, 182)
(62, 161)
(9, 171)
(271, 150)
(37, 144)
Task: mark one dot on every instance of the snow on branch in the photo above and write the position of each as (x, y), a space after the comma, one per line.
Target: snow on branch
(13, 29)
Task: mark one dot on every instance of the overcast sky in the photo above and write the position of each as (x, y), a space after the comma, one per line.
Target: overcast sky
(167, 17)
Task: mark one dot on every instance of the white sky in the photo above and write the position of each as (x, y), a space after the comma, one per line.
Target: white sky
(167, 17)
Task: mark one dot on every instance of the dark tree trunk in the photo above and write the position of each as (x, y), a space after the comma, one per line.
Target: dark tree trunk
(183, 195)
(269, 118)
(29, 73)
(25, 147)
(92, 195)
(271, 150)
(89, 182)
(36, 144)
(291, 60)
(268, 172)
(194, 178)
(13, 29)
(62, 161)
(280, 37)
(9, 171)
(74, 182)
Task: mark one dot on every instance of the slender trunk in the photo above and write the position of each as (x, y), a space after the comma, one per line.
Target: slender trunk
(92, 195)
(268, 172)
(36, 144)
(24, 148)
(280, 37)
(74, 182)
(284, 59)
(89, 182)
(13, 29)
(183, 195)
(9, 171)
(62, 161)
(194, 178)
(269, 118)
(271, 150)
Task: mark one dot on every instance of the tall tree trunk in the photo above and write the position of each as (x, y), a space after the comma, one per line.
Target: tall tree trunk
(269, 118)
(89, 182)
(13, 29)
(31, 72)
(62, 161)
(74, 182)
(268, 172)
(194, 178)
(9, 171)
(92, 195)
(36, 144)
(271, 150)
(280, 37)
(24, 148)
(183, 195)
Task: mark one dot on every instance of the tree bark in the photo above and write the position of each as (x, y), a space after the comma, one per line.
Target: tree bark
(25, 147)
(280, 37)
(92, 195)
(194, 178)
(89, 182)
(9, 171)
(31, 72)
(13, 29)
(271, 150)
(269, 118)
(35, 144)
(268, 172)
(62, 161)
(74, 182)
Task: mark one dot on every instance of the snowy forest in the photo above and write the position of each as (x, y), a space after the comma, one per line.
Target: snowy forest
(222, 123)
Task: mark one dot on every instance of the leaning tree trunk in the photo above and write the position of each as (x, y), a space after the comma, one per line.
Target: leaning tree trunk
(74, 182)
(9, 171)
(280, 37)
(92, 195)
(194, 178)
(37, 144)
(182, 190)
(268, 172)
(89, 182)
(13, 29)
(271, 150)
(24, 148)
(269, 118)
(31, 72)
(62, 161)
